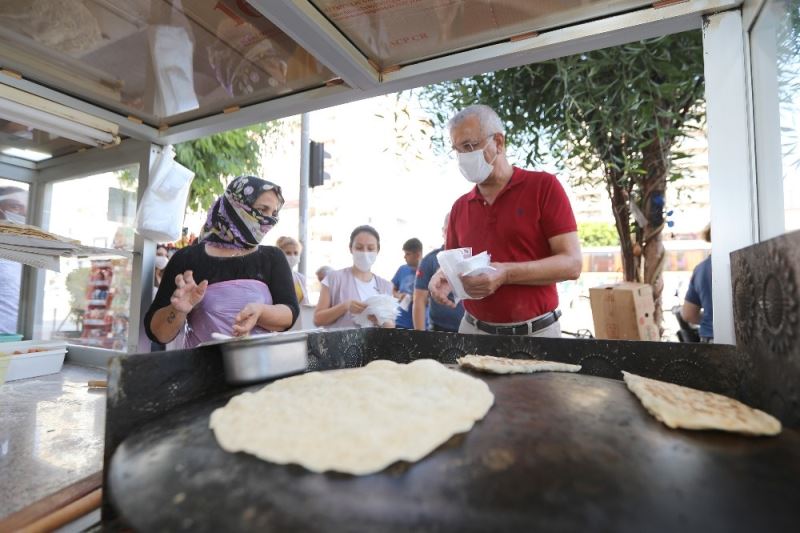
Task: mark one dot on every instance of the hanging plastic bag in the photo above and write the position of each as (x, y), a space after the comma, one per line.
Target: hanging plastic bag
(460, 261)
(160, 214)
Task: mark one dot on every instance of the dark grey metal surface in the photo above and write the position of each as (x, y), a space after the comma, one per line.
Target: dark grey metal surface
(557, 452)
(145, 387)
(766, 306)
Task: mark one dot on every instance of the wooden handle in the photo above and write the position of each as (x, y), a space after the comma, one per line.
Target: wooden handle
(51, 504)
(66, 514)
(98, 384)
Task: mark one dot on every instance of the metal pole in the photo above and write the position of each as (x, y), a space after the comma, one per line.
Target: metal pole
(305, 120)
(144, 260)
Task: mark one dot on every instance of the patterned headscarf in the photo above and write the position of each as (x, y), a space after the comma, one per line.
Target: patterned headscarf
(232, 222)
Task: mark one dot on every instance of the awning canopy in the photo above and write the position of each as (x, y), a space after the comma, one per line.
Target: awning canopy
(168, 71)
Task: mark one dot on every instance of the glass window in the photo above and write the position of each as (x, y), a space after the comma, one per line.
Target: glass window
(88, 301)
(392, 32)
(164, 62)
(14, 208)
(775, 45)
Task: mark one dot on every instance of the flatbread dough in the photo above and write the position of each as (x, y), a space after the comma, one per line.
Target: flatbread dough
(24, 230)
(505, 365)
(681, 407)
(356, 421)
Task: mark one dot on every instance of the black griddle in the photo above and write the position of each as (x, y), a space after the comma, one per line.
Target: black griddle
(557, 452)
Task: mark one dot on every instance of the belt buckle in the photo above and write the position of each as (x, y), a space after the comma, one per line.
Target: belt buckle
(519, 329)
(504, 330)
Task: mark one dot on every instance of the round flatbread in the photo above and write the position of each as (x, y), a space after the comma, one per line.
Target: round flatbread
(356, 421)
(505, 365)
(681, 407)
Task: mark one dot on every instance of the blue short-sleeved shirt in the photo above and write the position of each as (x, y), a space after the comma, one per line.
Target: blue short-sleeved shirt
(403, 281)
(440, 315)
(699, 294)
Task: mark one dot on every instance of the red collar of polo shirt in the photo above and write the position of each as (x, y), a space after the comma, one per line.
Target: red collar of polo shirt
(516, 179)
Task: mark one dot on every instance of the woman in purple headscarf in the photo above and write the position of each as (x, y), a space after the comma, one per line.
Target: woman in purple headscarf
(227, 283)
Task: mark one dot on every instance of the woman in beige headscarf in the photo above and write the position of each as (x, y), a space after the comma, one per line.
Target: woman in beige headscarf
(292, 250)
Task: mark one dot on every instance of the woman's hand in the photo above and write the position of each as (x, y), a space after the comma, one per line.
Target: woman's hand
(247, 319)
(356, 307)
(188, 293)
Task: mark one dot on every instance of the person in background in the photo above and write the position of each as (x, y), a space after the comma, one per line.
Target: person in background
(162, 250)
(160, 265)
(403, 282)
(183, 242)
(523, 219)
(292, 249)
(698, 307)
(13, 208)
(227, 283)
(442, 317)
(322, 272)
(344, 291)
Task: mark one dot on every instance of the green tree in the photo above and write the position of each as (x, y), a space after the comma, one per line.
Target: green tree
(212, 158)
(597, 234)
(611, 118)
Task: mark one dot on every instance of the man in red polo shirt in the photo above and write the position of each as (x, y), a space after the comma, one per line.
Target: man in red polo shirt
(523, 219)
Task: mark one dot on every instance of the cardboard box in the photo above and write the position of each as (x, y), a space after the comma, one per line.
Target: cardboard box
(624, 311)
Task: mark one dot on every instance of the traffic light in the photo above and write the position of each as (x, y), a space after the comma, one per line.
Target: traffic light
(316, 164)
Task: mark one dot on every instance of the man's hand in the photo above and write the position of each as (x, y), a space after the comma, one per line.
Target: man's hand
(247, 319)
(439, 289)
(482, 285)
(188, 293)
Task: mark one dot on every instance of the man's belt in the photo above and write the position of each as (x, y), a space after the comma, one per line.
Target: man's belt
(523, 328)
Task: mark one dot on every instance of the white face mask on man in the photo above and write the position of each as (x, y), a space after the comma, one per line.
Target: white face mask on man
(474, 167)
(293, 260)
(14, 217)
(364, 260)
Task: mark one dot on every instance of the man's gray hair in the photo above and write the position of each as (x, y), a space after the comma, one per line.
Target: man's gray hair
(487, 117)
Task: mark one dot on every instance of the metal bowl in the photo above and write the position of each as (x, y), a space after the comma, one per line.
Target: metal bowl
(263, 357)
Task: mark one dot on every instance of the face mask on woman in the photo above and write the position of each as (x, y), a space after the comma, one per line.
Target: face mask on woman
(14, 217)
(474, 167)
(293, 260)
(364, 260)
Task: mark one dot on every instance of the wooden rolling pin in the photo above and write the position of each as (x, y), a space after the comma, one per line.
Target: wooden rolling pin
(43, 512)
(66, 514)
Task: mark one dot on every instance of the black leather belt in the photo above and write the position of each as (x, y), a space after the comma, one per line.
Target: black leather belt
(523, 328)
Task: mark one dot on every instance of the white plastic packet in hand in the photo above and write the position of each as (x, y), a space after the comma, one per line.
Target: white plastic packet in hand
(382, 306)
(460, 261)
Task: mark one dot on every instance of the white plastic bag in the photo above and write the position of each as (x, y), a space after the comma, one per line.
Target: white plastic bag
(171, 53)
(160, 214)
(460, 261)
(382, 306)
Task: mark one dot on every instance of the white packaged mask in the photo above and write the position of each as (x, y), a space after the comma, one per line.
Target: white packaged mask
(364, 260)
(293, 260)
(474, 166)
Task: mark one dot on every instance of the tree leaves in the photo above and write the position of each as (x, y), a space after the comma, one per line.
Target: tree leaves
(218, 157)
